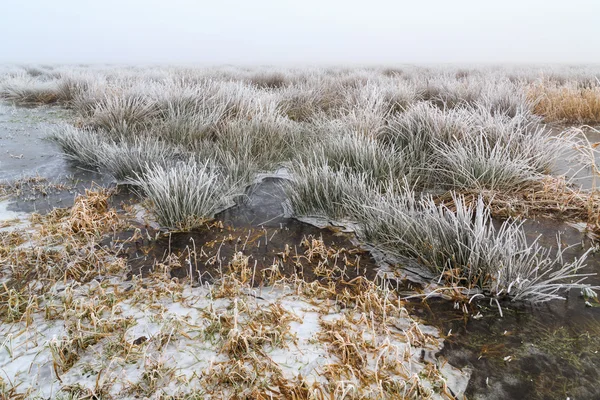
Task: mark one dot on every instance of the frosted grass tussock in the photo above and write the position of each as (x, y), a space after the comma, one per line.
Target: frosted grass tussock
(358, 153)
(268, 79)
(447, 92)
(469, 148)
(499, 156)
(479, 165)
(522, 138)
(73, 86)
(399, 97)
(421, 124)
(321, 92)
(185, 195)
(322, 191)
(186, 123)
(84, 102)
(241, 101)
(240, 167)
(240, 170)
(504, 98)
(186, 111)
(82, 145)
(27, 90)
(128, 159)
(123, 115)
(366, 109)
(464, 243)
(44, 88)
(266, 139)
(303, 102)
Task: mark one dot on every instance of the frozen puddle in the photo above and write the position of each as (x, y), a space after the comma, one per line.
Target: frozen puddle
(11, 220)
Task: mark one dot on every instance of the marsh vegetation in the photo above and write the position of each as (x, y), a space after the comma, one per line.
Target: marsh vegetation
(438, 166)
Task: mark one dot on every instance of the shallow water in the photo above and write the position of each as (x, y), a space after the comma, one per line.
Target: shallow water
(579, 174)
(45, 178)
(23, 150)
(534, 352)
(531, 352)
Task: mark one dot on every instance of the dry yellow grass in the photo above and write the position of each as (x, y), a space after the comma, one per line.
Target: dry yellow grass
(566, 103)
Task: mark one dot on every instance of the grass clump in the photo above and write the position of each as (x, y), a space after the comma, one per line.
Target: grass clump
(478, 165)
(566, 103)
(462, 245)
(351, 139)
(266, 139)
(188, 114)
(499, 155)
(127, 159)
(44, 89)
(28, 91)
(123, 115)
(323, 191)
(81, 145)
(360, 154)
(268, 80)
(469, 148)
(416, 132)
(185, 195)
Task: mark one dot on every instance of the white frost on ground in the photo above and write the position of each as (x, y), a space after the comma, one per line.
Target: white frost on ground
(79, 327)
(25, 356)
(171, 334)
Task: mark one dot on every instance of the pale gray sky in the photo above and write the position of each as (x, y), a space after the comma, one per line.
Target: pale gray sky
(300, 31)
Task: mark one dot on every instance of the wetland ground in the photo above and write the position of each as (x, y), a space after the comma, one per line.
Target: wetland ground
(320, 233)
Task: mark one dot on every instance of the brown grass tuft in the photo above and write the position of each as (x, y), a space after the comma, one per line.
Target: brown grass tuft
(558, 103)
(91, 213)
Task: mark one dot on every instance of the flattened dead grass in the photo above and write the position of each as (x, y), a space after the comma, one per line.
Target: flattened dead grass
(91, 213)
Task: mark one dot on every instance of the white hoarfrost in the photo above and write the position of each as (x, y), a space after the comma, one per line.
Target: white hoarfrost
(171, 334)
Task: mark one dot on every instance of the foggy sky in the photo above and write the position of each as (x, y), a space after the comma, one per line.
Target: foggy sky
(299, 32)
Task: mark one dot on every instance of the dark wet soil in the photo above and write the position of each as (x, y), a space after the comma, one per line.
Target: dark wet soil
(550, 351)
(531, 352)
(277, 246)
